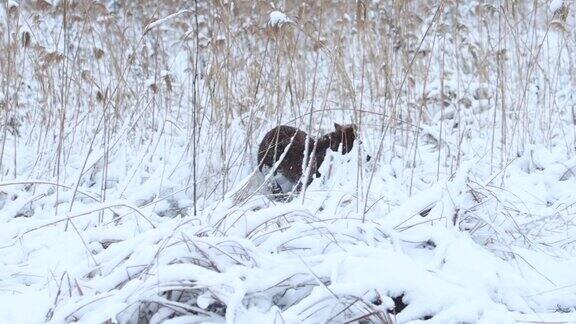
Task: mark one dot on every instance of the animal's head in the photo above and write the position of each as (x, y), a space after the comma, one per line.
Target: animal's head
(343, 134)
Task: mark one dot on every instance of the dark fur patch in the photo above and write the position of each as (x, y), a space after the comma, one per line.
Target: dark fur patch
(279, 138)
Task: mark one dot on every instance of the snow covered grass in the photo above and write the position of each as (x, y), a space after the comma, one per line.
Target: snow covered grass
(128, 144)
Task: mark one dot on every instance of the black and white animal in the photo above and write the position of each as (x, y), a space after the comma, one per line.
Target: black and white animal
(288, 144)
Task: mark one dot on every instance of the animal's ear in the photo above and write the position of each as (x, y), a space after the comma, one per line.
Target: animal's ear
(338, 127)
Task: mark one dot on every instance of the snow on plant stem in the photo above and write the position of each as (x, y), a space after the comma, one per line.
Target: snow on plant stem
(278, 18)
(555, 5)
(160, 21)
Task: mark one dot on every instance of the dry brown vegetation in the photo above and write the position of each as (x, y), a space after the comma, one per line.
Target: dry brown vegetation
(146, 109)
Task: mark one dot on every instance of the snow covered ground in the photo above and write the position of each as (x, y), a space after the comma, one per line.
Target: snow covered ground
(128, 192)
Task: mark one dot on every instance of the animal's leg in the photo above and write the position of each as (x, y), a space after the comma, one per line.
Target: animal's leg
(285, 184)
(278, 193)
(276, 188)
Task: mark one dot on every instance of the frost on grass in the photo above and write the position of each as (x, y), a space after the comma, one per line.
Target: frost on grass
(466, 214)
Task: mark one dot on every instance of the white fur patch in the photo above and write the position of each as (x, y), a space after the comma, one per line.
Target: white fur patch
(285, 184)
